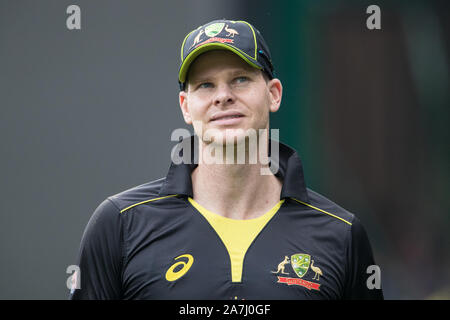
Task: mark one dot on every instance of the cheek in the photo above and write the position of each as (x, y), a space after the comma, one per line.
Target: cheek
(262, 105)
(197, 109)
(198, 113)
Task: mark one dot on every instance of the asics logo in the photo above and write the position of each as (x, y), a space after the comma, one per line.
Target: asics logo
(172, 275)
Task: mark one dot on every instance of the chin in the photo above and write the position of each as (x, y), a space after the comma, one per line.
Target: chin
(230, 136)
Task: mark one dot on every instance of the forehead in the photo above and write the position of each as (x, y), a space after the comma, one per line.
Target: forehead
(212, 62)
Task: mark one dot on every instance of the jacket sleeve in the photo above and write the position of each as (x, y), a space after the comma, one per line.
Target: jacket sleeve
(361, 283)
(100, 257)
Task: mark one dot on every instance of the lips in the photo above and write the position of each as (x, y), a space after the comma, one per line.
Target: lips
(226, 115)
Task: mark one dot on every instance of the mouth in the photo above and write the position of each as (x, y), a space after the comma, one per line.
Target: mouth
(226, 117)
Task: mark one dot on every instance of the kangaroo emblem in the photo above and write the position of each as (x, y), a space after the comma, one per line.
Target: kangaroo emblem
(281, 266)
(197, 38)
(231, 32)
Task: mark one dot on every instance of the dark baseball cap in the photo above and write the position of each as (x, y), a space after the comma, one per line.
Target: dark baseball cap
(239, 37)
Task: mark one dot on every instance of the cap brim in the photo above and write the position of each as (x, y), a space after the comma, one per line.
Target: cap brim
(208, 47)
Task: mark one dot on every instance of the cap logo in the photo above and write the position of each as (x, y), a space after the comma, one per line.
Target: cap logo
(197, 38)
(214, 29)
(216, 39)
(231, 32)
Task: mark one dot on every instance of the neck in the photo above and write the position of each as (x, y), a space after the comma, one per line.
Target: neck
(233, 190)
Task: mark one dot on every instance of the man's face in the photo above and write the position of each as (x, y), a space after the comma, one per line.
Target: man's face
(226, 94)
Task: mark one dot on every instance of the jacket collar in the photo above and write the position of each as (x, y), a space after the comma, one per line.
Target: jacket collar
(290, 171)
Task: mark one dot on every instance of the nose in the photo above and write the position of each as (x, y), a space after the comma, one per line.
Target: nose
(223, 95)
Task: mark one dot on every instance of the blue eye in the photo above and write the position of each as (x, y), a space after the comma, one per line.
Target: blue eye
(205, 85)
(241, 79)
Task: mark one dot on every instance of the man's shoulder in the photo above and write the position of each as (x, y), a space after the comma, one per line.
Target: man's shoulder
(325, 206)
(144, 193)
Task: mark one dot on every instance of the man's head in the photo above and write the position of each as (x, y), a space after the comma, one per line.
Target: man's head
(223, 88)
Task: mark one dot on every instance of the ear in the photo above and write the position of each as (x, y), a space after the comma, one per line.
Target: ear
(275, 92)
(184, 107)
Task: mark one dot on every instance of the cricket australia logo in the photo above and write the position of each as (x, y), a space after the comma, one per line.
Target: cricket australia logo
(300, 263)
(214, 29)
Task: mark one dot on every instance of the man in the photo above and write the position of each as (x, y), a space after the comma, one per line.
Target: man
(223, 228)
